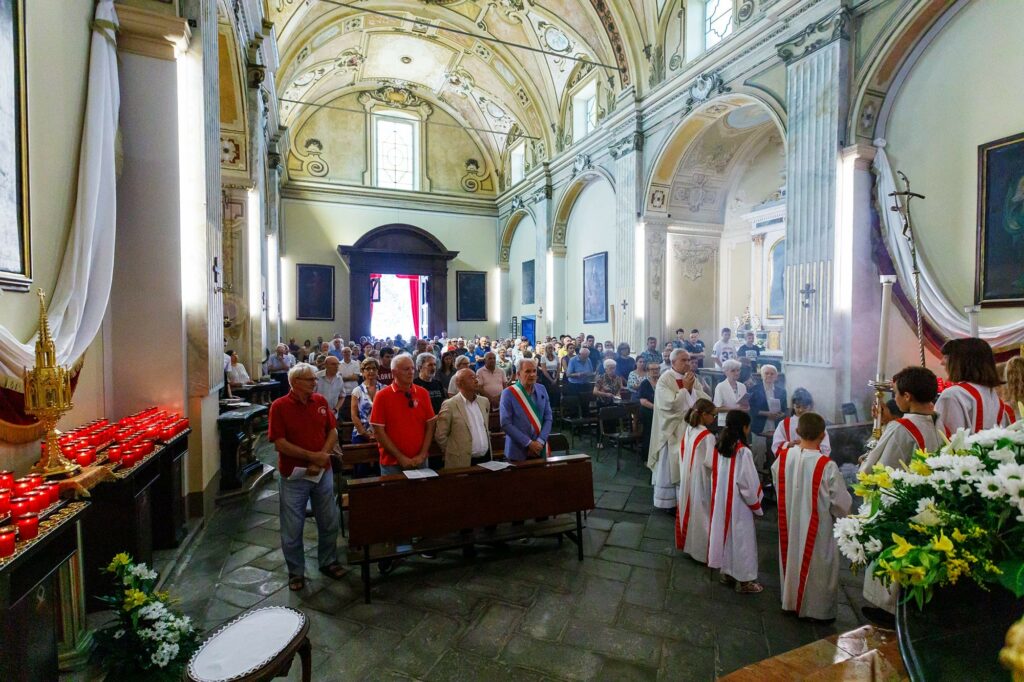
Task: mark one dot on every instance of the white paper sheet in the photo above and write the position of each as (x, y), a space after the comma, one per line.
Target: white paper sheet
(419, 473)
(300, 472)
(494, 465)
(774, 405)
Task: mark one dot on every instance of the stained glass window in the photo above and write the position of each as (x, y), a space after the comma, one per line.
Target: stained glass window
(395, 155)
(584, 105)
(717, 21)
(517, 161)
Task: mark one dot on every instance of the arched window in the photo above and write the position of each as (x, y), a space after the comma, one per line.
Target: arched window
(396, 162)
(717, 21)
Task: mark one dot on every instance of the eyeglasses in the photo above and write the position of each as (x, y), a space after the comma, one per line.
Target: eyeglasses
(408, 396)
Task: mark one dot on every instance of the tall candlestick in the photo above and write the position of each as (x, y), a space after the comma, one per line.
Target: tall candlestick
(883, 328)
(972, 318)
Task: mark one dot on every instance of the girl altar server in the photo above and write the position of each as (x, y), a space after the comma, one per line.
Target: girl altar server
(812, 493)
(971, 402)
(785, 432)
(735, 499)
(694, 497)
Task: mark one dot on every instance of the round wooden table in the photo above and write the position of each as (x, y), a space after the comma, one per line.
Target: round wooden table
(258, 645)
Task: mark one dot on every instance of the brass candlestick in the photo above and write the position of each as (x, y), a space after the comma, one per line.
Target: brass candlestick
(881, 386)
(47, 397)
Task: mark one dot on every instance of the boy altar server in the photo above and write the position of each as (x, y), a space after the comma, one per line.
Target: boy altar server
(673, 396)
(735, 499)
(812, 494)
(915, 391)
(694, 497)
(785, 432)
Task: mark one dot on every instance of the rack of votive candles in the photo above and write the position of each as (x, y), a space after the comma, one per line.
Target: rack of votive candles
(156, 424)
(21, 506)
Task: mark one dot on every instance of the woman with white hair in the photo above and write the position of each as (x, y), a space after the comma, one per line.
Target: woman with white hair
(731, 394)
(606, 389)
(767, 408)
(461, 361)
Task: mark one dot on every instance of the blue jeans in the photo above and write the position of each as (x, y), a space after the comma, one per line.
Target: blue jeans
(293, 517)
(388, 469)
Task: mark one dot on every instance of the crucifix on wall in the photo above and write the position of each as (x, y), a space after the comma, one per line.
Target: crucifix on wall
(806, 293)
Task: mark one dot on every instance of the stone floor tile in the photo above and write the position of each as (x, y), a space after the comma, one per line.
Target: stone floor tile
(218, 611)
(245, 575)
(607, 569)
(600, 600)
(424, 645)
(785, 632)
(666, 625)
(271, 539)
(488, 634)
(621, 671)
(626, 645)
(557, 660)
(681, 661)
(353, 656)
(612, 500)
(736, 648)
(397, 617)
(447, 600)
(459, 666)
(546, 618)
(625, 534)
(242, 555)
(593, 541)
(646, 588)
(239, 598)
(636, 558)
(505, 590)
(270, 561)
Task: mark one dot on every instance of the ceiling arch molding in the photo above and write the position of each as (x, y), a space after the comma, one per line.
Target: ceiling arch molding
(892, 63)
(687, 133)
(560, 223)
(509, 232)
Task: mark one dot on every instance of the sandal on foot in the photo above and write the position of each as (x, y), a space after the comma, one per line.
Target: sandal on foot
(333, 571)
(296, 582)
(749, 587)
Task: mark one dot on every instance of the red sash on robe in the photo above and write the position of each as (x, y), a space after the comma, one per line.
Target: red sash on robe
(914, 431)
(812, 526)
(681, 529)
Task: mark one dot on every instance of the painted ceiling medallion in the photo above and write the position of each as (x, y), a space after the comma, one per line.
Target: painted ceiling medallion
(555, 39)
(405, 59)
(396, 96)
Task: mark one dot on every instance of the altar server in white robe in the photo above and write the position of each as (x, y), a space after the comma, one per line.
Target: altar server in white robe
(915, 389)
(673, 396)
(694, 499)
(812, 494)
(735, 500)
(785, 432)
(972, 402)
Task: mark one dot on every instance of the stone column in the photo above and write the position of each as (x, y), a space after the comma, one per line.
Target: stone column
(816, 90)
(652, 305)
(505, 297)
(543, 295)
(627, 152)
(757, 281)
(558, 313)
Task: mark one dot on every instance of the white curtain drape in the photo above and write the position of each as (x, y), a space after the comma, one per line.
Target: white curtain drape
(79, 299)
(947, 318)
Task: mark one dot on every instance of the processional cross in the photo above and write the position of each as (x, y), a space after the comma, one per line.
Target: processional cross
(903, 208)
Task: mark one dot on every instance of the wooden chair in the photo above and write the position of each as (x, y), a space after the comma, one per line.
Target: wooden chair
(497, 444)
(616, 424)
(494, 421)
(572, 416)
(558, 443)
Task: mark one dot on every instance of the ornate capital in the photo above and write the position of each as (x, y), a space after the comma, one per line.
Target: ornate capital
(815, 36)
(517, 203)
(707, 86)
(634, 142)
(150, 34)
(693, 255)
(581, 163)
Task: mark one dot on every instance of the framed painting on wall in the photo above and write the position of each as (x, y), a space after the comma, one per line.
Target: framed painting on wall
(595, 288)
(15, 238)
(999, 278)
(314, 289)
(471, 296)
(528, 283)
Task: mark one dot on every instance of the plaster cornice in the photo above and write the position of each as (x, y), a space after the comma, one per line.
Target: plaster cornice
(383, 198)
(149, 34)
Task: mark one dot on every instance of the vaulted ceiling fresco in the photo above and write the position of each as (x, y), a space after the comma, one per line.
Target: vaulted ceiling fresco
(431, 51)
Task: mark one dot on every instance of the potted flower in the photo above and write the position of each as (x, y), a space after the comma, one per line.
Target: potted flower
(146, 640)
(948, 527)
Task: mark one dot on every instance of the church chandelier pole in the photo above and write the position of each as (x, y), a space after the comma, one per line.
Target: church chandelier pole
(470, 34)
(363, 112)
(903, 208)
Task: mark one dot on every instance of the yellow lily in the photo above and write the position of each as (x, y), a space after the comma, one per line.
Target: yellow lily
(958, 536)
(915, 573)
(902, 546)
(943, 544)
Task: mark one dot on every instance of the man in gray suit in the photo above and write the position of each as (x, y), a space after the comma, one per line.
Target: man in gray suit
(462, 424)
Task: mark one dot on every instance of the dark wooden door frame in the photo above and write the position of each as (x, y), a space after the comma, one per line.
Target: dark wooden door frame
(397, 249)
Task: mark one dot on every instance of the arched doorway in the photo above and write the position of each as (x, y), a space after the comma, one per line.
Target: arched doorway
(397, 249)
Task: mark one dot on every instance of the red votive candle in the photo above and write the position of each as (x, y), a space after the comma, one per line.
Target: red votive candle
(19, 506)
(28, 526)
(8, 534)
(7, 480)
(37, 480)
(37, 500)
(22, 486)
(114, 453)
(53, 492)
(5, 501)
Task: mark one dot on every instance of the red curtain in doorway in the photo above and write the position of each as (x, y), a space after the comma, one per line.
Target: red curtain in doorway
(414, 300)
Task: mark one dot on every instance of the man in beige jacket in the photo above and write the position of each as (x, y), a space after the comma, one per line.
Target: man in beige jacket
(462, 424)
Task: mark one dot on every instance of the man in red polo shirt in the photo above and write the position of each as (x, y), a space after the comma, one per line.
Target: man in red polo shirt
(303, 430)
(403, 420)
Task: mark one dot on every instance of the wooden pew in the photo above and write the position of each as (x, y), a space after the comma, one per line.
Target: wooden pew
(385, 513)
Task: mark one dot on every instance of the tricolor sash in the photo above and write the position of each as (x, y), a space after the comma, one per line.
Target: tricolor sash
(530, 409)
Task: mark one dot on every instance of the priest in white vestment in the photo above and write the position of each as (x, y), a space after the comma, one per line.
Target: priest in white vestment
(811, 494)
(694, 498)
(735, 500)
(673, 396)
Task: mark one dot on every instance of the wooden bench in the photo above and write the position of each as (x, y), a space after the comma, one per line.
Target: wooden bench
(386, 513)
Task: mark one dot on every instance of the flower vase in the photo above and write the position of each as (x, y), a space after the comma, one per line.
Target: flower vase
(958, 634)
